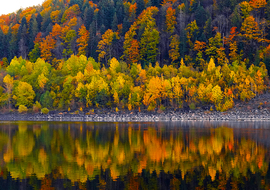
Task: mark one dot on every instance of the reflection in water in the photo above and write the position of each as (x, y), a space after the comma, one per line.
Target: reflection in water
(50, 155)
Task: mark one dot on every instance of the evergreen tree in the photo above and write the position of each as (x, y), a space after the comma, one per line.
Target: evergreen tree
(2, 44)
(39, 20)
(115, 22)
(33, 30)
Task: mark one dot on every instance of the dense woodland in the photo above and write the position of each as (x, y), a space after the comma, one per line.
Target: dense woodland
(140, 54)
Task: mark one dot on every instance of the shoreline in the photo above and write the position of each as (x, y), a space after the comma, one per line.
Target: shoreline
(257, 109)
(191, 115)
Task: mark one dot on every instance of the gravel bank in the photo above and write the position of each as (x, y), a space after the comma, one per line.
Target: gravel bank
(197, 115)
(258, 109)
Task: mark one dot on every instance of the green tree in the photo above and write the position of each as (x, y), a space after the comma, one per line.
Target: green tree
(34, 54)
(68, 41)
(148, 45)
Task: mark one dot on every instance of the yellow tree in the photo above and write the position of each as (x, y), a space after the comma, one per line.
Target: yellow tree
(24, 94)
(245, 9)
(105, 45)
(217, 96)
(83, 40)
(55, 16)
(177, 90)
(174, 49)
(259, 82)
(192, 30)
(250, 29)
(155, 92)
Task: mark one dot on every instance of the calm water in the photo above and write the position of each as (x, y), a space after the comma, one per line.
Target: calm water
(74, 155)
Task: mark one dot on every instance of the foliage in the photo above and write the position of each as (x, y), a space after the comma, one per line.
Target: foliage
(36, 107)
(96, 53)
(209, 156)
(45, 111)
(22, 109)
(24, 94)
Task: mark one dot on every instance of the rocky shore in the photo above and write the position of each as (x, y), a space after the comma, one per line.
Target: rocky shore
(257, 109)
(191, 115)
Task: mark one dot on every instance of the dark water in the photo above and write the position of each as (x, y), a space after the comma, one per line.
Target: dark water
(74, 155)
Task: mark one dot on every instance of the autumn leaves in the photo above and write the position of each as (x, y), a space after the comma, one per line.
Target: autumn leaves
(82, 83)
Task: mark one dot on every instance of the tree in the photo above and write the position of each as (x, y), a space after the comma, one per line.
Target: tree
(105, 45)
(214, 46)
(35, 53)
(170, 20)
(250, 29)
(134, 55)
(68, 41)
(24, 94)
(70, 13)
(192, 31)
(257, 4)
(155, 92)
(129, 45)
(245, 9)
(33, 31)
(55, 16)
(46, 47)
(148, 45)
(174, 49)
(83, 40)
(9, 82)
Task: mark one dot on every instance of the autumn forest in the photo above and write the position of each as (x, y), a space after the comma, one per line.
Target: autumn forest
(139, 54)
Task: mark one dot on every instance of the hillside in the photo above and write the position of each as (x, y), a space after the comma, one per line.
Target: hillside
(134, 54)
(194, 30)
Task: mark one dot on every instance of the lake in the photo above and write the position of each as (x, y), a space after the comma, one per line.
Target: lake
(145, 155)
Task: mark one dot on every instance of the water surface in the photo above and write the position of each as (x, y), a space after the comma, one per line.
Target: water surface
(161, 155)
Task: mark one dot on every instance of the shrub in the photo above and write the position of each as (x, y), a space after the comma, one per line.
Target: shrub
(151, 107)
(22, 109)
(76, 112)
(116, 109)
(44, 110)
(81, 109)
(36, 107)
(192, 106)
(162, 108)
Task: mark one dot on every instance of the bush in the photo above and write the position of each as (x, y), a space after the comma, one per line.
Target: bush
(192, 106)
(162, 108)
(151, 107)
(44, 110)
(36, 107)
(22, 109)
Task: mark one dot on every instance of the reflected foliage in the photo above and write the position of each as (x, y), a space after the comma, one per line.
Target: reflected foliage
(131, 156)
